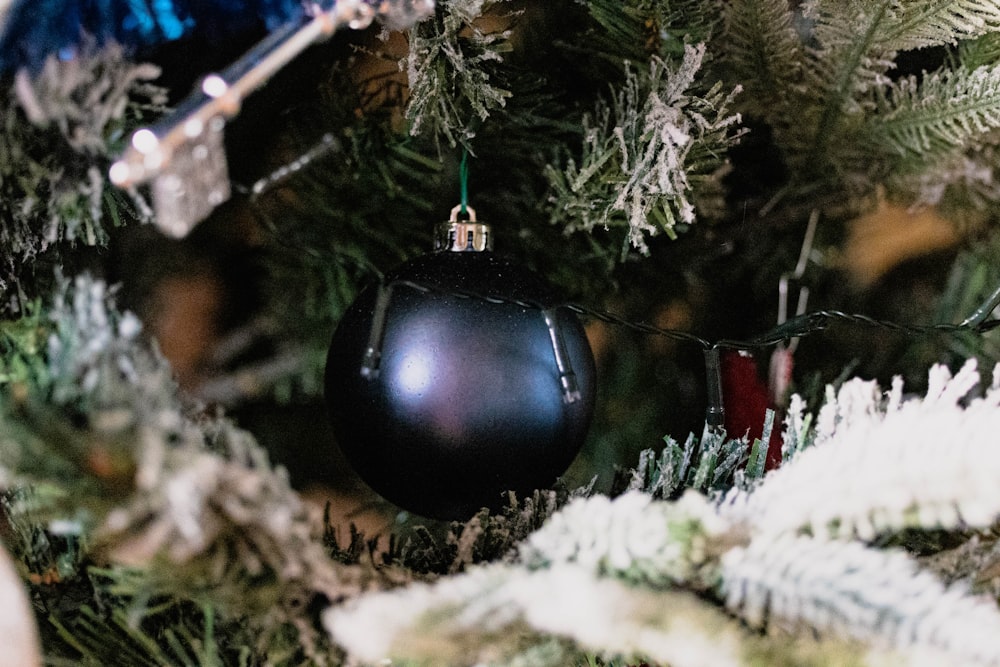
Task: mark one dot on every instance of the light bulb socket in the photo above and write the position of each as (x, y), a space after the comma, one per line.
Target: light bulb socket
(463, 235)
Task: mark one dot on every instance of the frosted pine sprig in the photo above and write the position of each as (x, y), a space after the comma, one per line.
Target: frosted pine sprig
(571, 582)
(182, 499)
(862, 38)
(484, 616)
(920, 23)
(875, 462)
(847, 590)
(856, 401)
(927, 117)
(448, 71)
(59, 126)
(765, 52)
(867, 607)
(632, 537)
(883, 464)
(497, 614)
(645, 151)
(885, 26)
(92, 347)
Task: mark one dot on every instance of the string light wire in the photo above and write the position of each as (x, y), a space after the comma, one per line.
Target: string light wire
(800, 325)
(793, 328)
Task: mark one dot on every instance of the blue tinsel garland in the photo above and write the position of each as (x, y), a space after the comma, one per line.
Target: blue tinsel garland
(34, 29)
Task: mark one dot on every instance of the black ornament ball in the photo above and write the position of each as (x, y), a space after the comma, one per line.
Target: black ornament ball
(444, 401)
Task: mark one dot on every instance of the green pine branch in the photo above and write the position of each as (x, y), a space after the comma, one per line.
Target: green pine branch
(624, 25)
(452, 88)
(921, 119)
(637, 29)
(936, 139)
(979, 52)
(922, 23)
(58, 131)
(857, 45)
(848, 62)
(641, 152)
(764, 51)
(841, 121)
(711, 464)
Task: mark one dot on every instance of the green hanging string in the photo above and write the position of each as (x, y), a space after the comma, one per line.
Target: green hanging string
(463, 181)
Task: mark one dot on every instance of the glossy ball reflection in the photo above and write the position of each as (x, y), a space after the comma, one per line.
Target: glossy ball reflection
(468, 400)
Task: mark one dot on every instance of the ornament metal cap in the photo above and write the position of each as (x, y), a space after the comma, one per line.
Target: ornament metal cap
(463, 235)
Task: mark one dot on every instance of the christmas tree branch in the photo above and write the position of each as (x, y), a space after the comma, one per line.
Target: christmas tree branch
(897, 443)
(452, 54)
(488, 614)
(846, 590)
(59, 128)
(979, 52)
(621, 560)
(944, 111)
(641, 152)
(186, 501)
(846, 80)
(849, 60)
(762, 46)
(935, 22)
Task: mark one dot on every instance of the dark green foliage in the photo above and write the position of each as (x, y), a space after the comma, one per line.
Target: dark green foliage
(823, 78)
(973, 277)
(373, 198)
(610, 117)
(22, 341)
(59, 133)
(453, 85)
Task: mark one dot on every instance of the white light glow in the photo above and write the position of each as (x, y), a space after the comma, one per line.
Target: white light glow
(193, 128)
(214, 86)
(145, 141)
(119, 173)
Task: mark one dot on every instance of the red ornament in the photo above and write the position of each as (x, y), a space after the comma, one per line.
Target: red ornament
(747, 397)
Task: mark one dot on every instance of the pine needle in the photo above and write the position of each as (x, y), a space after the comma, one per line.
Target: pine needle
(766, 54)
(642, 151)
(451, 85)
(948, 110)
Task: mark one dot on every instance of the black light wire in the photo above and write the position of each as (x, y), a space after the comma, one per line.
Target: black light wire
(795, 327)
(977, 323)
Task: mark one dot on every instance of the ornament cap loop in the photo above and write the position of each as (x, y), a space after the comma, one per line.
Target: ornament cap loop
(463, 235)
